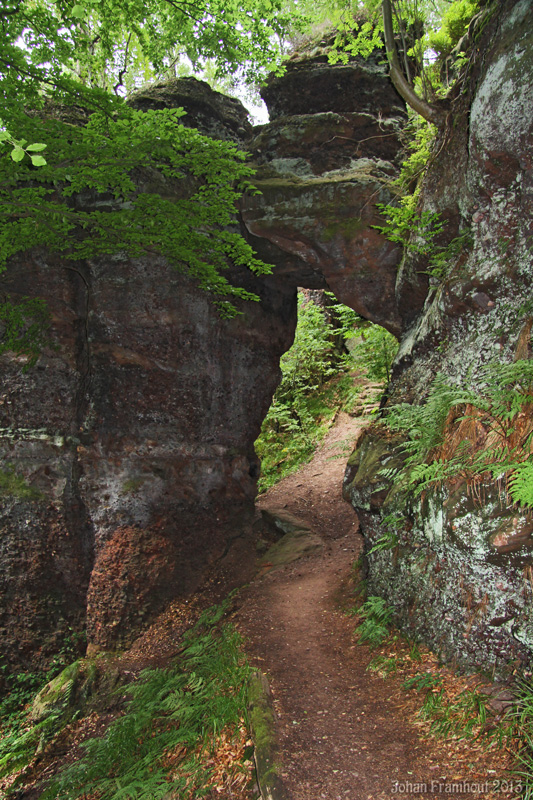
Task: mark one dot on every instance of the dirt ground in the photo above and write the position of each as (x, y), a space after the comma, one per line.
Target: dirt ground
(344, 732)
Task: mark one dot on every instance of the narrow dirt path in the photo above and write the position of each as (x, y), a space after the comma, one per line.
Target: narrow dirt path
(343, 732)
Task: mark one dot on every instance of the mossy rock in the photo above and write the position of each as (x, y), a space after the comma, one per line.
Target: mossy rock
(56, 698)
(264, 735)
(86, 685)
(292, 547)
(368, 480)
(83, 686)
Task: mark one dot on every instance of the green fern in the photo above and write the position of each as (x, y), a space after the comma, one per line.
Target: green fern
(521, 484)
(506, 392)
(408, 226)
(377, 616)
(182, 707)
(425, 423)
(389, 539)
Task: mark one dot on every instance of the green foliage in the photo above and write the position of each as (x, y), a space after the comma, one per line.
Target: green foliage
(383, 665)
(18, 737)
(189, 186)
(423, 680)
(70, 47)
(21, 148)
(173, 716)
(376, 616)
(425, 33)
(454, 25)
(445, 257)
(507, 392)
(417, 231)
(305, 400)
(522, 718)
(424, 423)
(389, 539)
(311, 359)
(356, 39)
(375, 352)
(460, 717)
(407, 226)
(23, 328)
(520, 484)
(421, 138)
(147, 184)
(316, 381)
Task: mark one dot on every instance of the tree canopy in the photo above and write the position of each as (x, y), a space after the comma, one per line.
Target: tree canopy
(67, 130)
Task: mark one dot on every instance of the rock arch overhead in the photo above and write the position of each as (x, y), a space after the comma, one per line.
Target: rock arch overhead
(137, 429)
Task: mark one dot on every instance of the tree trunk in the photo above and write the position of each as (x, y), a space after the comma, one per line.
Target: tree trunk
(404, 89)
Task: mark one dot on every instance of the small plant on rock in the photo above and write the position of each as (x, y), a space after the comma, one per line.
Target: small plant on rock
(376, 616)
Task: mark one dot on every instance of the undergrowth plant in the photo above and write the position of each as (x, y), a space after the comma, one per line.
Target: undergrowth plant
(389, 538)
(374, 352)
(523, 720)
(317, 382)
(408, 226)
(158, 748)
(19, 738)
(497, 431)
(405, 223)
(24, 327)
(376, 618)
(452, 707)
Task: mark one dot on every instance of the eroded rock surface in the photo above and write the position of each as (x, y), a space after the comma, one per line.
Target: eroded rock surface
(324, 162)
(132, 439)
(147, 457)
(136, 428)
(459, 573)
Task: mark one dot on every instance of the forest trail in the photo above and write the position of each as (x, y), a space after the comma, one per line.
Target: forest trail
(344, 732)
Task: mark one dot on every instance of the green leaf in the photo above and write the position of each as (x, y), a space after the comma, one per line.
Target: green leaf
(36, 148)
(78, 11)
(4, 135)
(17, 154)
(38, 161)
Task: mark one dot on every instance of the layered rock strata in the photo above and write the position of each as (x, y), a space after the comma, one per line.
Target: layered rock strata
(324, 162)
(134, 433)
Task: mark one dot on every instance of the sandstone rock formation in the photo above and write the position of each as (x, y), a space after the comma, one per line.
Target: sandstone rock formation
(459, 576)
(134, 433)
(128, 463)
(136, 428)
(324, 161)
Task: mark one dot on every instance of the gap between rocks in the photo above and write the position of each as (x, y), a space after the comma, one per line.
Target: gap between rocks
(343, 732)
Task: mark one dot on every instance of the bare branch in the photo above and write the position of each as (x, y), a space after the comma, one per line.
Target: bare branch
(125, 67)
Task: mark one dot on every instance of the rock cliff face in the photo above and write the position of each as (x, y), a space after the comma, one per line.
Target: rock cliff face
(135, 431)
(137, 434)
(132, 438)
(128, 465)
(460, 574)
